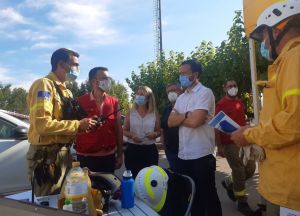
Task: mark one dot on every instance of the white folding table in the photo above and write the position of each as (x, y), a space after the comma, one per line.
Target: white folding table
(139, 209)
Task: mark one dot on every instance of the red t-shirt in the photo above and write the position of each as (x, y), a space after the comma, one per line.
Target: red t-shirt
(104, 138)
(235, 109)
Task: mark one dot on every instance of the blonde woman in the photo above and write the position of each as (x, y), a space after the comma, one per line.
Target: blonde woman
(142, 127)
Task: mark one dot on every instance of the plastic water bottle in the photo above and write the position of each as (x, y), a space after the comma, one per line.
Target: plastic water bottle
(127, 190)
(76, 189)
(67, 205)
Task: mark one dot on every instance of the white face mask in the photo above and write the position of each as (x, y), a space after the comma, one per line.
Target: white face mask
(105, 85)
(233, 91)
(172, 96)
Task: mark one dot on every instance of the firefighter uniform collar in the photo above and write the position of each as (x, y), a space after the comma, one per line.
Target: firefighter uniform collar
(54, 78)
(289, 45)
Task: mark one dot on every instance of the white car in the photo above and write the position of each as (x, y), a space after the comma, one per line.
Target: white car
(13, 149)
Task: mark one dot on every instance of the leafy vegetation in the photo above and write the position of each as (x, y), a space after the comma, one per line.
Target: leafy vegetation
(13, 99)
(117, 89)
(228, 61)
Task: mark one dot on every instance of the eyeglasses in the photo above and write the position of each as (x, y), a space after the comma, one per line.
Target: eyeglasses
(74, 65)
(103, 78)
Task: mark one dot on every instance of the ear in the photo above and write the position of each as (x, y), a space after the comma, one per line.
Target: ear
(196, 74)
(61, 64)
(93, 83)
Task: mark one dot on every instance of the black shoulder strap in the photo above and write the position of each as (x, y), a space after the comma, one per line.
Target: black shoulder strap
(63, 98)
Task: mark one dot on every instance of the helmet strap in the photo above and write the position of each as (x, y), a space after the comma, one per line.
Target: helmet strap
(273, 44)
(282, 33)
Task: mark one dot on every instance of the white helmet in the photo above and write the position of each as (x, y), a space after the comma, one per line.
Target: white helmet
(274, 15)
(151, 185)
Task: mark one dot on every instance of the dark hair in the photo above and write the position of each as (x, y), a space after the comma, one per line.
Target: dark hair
(227, 80)
(171, 84)
(61, 54)
(93, 72)
(195, 65)
(293, 22)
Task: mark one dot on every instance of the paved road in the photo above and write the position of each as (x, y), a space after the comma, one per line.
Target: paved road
(228, 207)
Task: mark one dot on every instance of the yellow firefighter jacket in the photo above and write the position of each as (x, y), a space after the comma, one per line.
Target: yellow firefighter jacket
(45, 105)
(278, 131)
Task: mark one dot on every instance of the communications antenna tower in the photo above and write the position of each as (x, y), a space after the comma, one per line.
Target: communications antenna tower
(157, 29)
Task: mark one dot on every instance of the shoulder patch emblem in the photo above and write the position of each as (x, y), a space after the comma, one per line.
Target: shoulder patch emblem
(45, 95)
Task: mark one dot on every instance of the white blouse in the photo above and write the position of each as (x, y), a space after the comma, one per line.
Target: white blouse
(141, 126)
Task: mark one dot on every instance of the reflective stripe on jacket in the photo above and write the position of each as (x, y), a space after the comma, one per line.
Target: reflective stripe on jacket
(278, 131)
(45, 105)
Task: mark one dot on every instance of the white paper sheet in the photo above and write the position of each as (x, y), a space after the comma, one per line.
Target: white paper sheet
(223, 123)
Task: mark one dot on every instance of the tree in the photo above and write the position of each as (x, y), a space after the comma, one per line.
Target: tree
(5, 92)
(73, 87)
(13, 99)
(157, 75)
(231, 61)
(117, 89)
(84, 88)
(17, 101)
(120, 92)
(228, 61)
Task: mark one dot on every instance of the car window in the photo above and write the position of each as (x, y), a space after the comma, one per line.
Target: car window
(6, 129)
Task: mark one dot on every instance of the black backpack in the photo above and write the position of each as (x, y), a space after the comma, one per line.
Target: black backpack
(71, 108)
(180, 195)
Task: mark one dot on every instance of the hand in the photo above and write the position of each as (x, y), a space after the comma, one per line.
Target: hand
(238, 137)
(252, 152)
(174, 111)
(119, 161)
(87, 124)
(151, 135)
(258, 152)
(245, 154)
(99, 122)
(220, 150)
(135, 138)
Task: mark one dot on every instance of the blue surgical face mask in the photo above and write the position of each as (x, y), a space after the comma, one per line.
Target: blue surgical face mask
(265, 52)
(73, 74)
(140, 100)
(185, 81)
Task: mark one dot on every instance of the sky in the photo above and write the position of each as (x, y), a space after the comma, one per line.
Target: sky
(117, 34)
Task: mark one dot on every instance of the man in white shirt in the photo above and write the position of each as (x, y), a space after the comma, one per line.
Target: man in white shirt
(192, 110)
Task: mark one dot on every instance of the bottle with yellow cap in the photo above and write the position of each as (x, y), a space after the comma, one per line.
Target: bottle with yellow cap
(76, 189)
